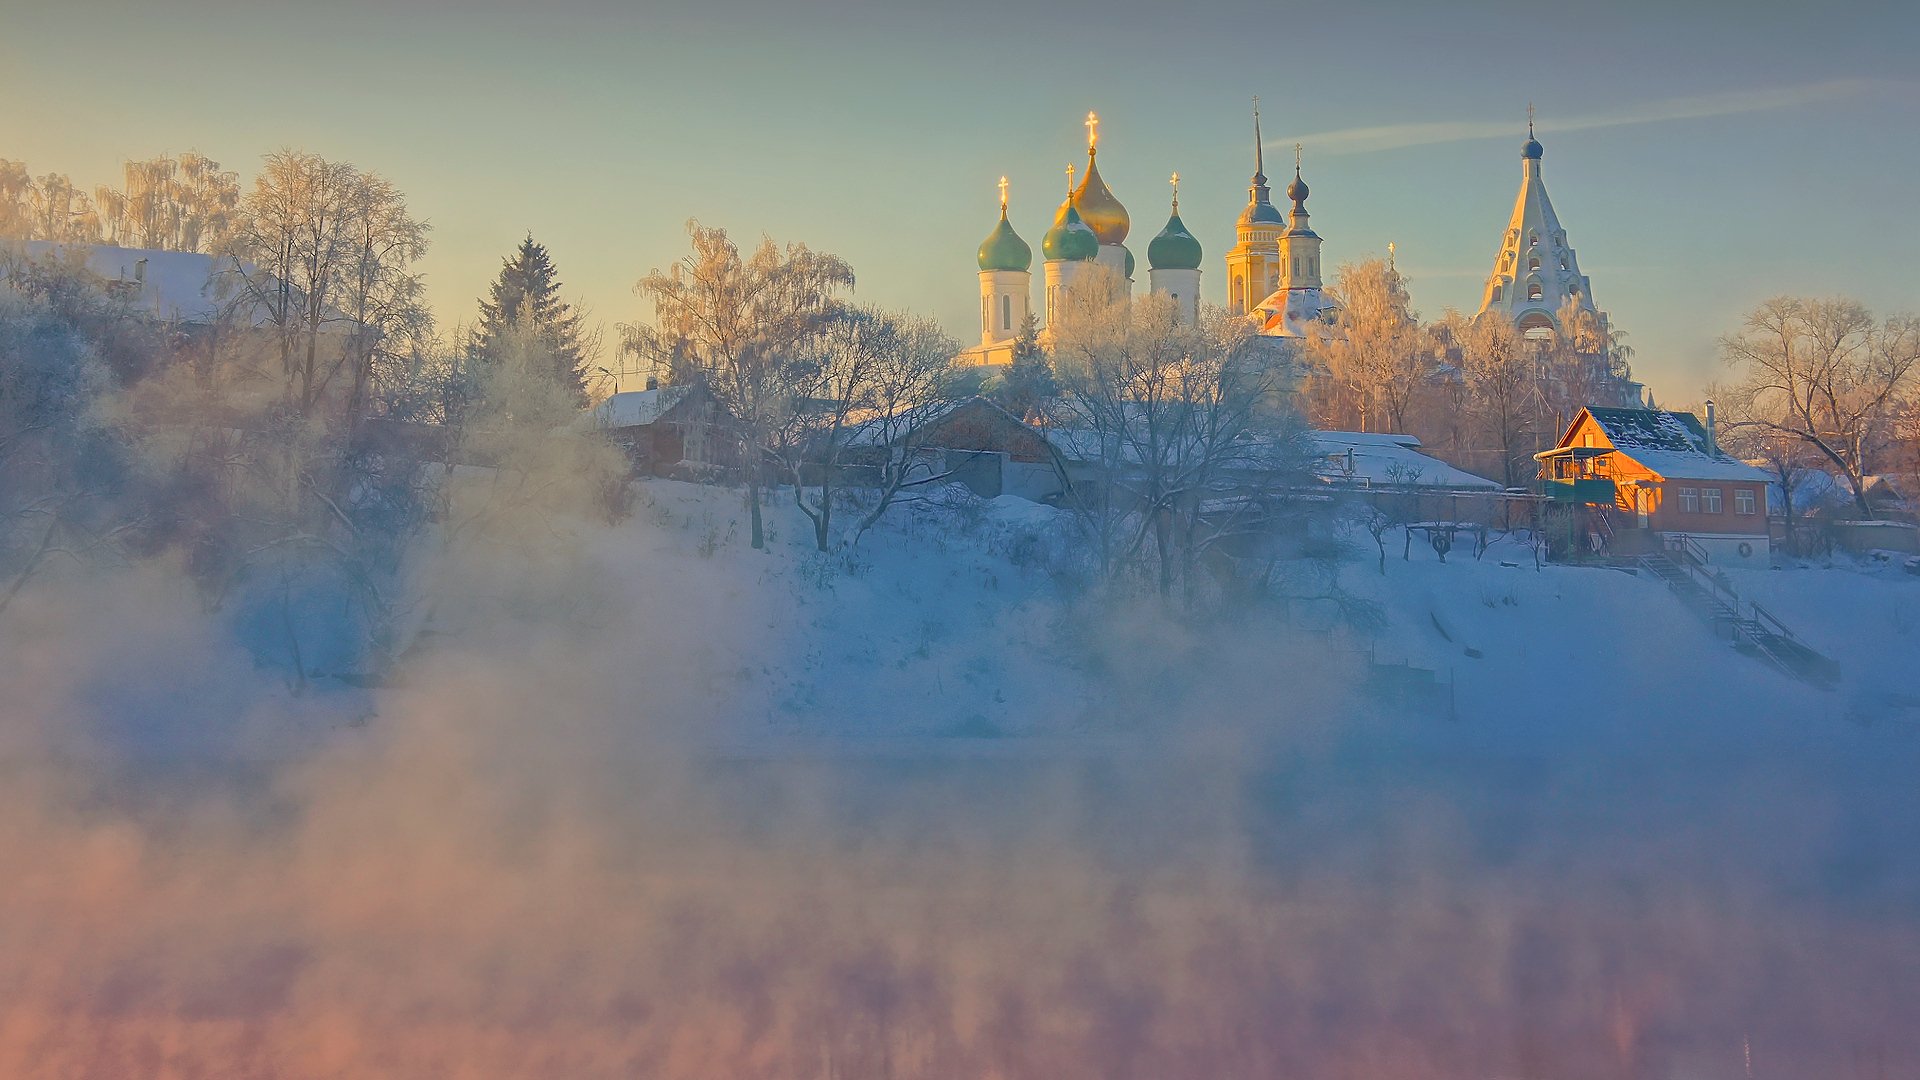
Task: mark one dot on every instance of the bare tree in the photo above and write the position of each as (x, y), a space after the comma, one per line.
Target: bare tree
(1168, 413)
(735, 323)
(1826, 373)
(909, 386)
(870, 383)
(1503, 390)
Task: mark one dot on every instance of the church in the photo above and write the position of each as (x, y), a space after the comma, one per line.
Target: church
(1274, 266)
(1276, 258)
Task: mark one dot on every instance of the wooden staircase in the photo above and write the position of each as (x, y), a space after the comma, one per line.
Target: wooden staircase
(1752, 629)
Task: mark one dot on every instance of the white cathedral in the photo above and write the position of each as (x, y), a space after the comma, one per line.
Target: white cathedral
(1275, 258)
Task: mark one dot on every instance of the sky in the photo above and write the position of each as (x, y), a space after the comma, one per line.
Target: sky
(1702, 156)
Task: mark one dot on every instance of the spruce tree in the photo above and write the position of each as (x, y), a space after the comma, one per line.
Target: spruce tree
(527, 296)
(1028, 380)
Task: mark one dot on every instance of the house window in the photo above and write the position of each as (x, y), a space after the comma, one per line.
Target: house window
(1690, 500)
(1710, 500)
(1743, 501)
(1006, 313)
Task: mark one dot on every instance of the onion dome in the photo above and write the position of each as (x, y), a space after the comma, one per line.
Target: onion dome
(1174, 248)
(1130, 262)
(1098, 208)
(1070, 239)
(1531, 149)
(1003, 249)
(1260, 211)
(1297, 191)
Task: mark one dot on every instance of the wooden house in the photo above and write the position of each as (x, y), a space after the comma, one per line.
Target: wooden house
(670, 431)
(1634, 480)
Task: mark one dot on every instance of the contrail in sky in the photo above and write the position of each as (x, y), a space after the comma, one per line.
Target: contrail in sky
(1361, 140)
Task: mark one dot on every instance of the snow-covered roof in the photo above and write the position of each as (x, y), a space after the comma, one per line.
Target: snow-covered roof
(1289, 312)
(177, 286)
(1669, 444)
(638, 408)
(1379, 459)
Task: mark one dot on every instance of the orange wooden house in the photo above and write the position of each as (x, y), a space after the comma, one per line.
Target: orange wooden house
(1646, 477)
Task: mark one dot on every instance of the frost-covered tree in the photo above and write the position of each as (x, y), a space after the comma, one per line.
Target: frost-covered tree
(526, 296)
(1375, 354)
(734, 323)
(59, 461)
(1028, 381)
(323, 254)
(1826, 373)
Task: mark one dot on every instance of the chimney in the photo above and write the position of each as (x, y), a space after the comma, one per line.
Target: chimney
(1713, 441)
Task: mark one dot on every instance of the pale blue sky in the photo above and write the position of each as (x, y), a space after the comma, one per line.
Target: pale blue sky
(1701, 159)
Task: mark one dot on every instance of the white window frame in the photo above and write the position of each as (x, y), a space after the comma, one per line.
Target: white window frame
(1710, 500)
(1744, 502)
(1689, 500)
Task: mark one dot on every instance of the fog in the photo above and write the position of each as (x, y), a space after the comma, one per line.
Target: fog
(531, 858)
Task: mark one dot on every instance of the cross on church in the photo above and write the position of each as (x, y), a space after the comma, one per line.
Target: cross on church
(1176, 192)
(1093, 130)
(1003, 194)
(1529, 119)
(1069, 179)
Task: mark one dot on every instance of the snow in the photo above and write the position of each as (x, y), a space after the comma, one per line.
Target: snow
(179, 286)
(1672, 445)
(959, 620)
(638, 408)
(1377, 459)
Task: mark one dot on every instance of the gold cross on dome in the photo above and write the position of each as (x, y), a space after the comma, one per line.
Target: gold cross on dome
(1296, 157)
(1093, 130)
(1003, 193)
(1176, 190)
(1069, 178)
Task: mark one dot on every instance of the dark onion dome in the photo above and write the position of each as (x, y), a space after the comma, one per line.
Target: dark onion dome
(1004, 250)
(1297, 191)
(1174, 248)
(1260, 211)
(1098, 208)
(1070, 239)
(1531, 149)
(1130, 262)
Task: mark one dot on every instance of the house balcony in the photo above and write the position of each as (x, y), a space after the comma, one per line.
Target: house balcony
(1587, 490)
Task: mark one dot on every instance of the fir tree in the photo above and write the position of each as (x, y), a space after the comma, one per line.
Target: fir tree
(527, 296)
(1028, 380)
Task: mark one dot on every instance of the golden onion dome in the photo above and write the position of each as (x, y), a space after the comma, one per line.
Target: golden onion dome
(1098, 208)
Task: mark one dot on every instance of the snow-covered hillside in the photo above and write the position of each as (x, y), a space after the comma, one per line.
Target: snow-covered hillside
(964, 619)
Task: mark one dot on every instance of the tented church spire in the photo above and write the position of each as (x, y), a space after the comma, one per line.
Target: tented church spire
(1536, 270)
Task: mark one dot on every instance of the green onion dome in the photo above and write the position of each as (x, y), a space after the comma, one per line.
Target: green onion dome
(1070, 239)
(1174, 248)
(1130, 263)
(1004, 250)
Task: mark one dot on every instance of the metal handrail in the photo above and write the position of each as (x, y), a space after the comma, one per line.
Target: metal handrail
(1761, 614)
